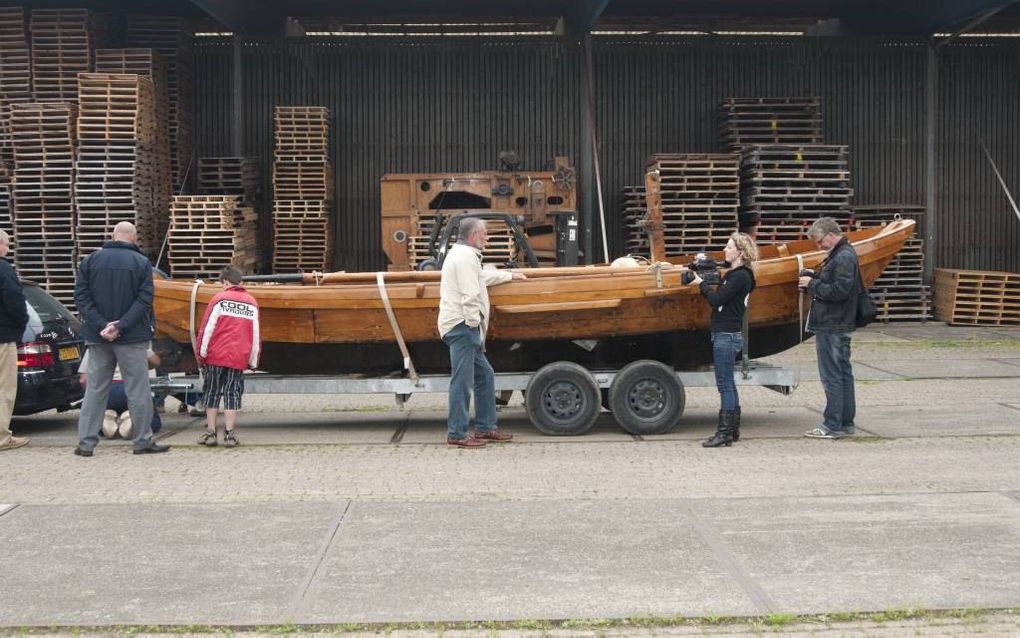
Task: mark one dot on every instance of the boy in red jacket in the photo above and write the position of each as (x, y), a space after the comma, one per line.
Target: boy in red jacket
(228, 344)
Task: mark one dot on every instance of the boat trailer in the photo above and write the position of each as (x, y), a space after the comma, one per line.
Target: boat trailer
(561, 398)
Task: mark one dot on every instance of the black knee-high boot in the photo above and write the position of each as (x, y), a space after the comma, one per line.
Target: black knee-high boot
(724, 432)
(736, 424)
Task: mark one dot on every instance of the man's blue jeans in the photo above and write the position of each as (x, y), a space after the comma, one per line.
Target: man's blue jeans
(725, 346)
(469, 369)
(837, 376)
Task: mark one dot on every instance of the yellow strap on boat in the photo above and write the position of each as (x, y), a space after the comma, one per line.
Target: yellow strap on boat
(408, 365)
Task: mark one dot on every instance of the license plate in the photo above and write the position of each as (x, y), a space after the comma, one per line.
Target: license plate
(69, 353)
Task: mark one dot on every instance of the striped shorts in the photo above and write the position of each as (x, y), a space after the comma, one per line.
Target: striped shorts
(223, 383)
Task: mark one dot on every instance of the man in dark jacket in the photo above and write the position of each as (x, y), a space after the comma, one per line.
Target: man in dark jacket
(13, 317)
(113, 292)
(834, 293)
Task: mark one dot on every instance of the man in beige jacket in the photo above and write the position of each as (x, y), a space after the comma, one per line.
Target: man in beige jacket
(463, 321)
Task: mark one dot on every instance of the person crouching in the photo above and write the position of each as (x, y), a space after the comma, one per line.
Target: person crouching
(229, 344)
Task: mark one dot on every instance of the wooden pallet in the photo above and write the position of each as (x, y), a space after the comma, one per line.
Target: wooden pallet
(229, 175)
(150, 64)
(746, 121)
(172, 37)
(302, 244)
(209, 232)
(977, 297)
(696, 198)
(62, 42)
(42, 195)
(302, 189)
(15, 72)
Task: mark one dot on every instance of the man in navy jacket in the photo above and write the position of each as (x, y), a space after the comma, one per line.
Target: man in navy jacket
(834, 294)
(113, 292)
(13, 317)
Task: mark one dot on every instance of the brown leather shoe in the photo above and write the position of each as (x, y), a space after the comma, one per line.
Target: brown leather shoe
(493, 435)
(470, 442)
(14, 442)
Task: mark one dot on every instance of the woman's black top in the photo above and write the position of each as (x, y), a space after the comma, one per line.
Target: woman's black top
(729, 299)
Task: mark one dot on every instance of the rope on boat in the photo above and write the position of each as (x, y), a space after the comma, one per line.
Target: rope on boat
(191, 326)
(408, 365)
(800, 298)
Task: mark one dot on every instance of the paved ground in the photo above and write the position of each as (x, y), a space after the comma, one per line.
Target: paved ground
(344, 510)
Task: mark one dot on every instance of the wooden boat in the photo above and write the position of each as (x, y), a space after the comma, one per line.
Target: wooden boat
(601, 317)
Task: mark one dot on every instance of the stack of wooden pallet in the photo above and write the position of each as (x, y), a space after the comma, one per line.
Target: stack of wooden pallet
(6, 215)
(899, 292)
(229, 176)
(43, 136)
(977, 297)
(208, 232)
(784, 188)
(15, 74)
(149, 64)
(62, 44)
(173, 38)
(769, 120)
(698, 195)
(302, 189)
(634, 207)
(117, 133)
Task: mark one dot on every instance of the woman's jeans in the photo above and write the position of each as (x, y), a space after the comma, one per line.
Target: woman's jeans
(469, 369)
(837, 375)
(725, 346)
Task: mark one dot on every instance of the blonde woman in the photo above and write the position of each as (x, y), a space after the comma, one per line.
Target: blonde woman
(729, 303)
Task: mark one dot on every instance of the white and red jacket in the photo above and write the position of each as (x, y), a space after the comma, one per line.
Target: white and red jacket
(229, 336)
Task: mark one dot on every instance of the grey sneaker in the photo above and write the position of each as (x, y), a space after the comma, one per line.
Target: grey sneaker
(822, 433)
(230, 439)
(207, 438)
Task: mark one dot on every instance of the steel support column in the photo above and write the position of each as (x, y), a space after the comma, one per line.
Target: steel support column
(585, 168)
(237, 97)
(930, 194)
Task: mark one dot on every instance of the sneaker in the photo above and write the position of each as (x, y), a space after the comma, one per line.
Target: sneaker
(14, 442)
(850, 431)
(125, 429)
(822, 433)
(230, 439)
(208, 438)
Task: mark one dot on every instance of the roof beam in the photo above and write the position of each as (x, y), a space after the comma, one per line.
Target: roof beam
(916, 17)
(584, 15)
(944, 15)
(247, 17)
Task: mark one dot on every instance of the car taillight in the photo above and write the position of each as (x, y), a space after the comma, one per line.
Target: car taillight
(35, 354)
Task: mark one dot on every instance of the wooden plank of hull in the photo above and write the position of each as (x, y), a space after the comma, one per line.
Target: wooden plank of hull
(628, 304)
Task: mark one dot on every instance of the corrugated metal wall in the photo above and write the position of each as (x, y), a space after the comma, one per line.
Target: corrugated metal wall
(404, 105)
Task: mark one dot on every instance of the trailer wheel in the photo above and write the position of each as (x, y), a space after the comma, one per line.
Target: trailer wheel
(647, 398)
(562, 399)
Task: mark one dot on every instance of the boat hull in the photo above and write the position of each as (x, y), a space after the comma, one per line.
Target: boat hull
(598, 317)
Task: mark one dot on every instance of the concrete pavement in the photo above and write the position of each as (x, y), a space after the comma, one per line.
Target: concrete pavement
(344, 510)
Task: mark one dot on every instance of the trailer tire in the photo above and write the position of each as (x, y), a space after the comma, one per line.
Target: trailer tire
(647, 398)
(562, 399)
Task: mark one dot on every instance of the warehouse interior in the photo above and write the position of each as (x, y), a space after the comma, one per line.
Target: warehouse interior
(920, 99)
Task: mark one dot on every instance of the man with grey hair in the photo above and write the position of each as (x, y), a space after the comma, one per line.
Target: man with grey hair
(463, 321)
(834, 292)
(113, 292)
(13, 318)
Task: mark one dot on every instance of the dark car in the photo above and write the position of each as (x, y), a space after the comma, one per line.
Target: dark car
(48, 355)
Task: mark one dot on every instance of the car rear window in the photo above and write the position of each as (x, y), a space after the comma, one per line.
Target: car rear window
(46, 306)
